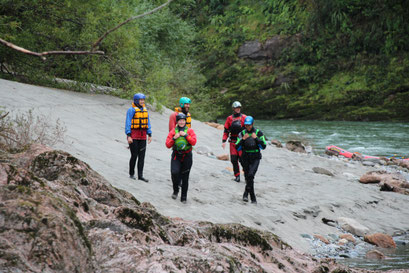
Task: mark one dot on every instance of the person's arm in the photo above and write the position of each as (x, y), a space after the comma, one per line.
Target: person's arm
(226, 132)
(129, 115)
(191, 137)
(149, 131)
(169, 140)
(239, 141)
(172, 121)
(261, 140)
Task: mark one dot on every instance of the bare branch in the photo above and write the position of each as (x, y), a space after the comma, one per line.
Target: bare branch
(127, 21)
(42, 54)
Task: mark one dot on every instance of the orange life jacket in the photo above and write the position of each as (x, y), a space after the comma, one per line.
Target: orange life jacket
(140, 119)
(188, 117)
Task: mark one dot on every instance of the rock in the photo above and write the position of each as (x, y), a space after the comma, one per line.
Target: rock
(342, 242)
(329, 222)
(321, 238)
(374, 255)
(320, 170)
(368, 163)
(277, 143)
(381, 240)
(58, 215)
(224, 157)
(215, 125)
(352, 226)
(388, 181)
(295, 146)
(271, 49)
(203, 150)
(348, 237)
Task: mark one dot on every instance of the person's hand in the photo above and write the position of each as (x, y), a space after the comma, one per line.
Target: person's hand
(129, 139)
(246, 136)
(176, 135)
(182, 133)
(253, 135)
(224, 145)
(149, 139)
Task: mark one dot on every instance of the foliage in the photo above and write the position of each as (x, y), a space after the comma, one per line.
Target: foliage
(21, 130)
(342, 59)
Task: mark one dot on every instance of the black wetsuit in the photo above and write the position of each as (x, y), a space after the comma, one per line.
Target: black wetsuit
(250, 158)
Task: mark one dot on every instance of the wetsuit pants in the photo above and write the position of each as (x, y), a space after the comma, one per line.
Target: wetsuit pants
(138, 149)
(250, 165)
(180, 169)
(235, 158)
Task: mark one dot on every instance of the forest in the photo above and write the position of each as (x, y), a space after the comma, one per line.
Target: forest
(282, 59)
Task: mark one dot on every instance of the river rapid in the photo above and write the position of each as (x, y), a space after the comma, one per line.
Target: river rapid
(368, 138)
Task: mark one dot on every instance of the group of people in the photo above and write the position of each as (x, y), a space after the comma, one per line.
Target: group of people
(246, 142)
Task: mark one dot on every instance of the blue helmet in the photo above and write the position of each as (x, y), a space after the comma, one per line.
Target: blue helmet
(249, 120)
(137, 97)
(183, 100)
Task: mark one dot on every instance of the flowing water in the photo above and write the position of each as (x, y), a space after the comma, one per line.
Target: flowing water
(367, 138)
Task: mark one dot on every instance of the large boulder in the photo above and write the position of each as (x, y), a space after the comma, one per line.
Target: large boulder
(352, 226)
(381, 240)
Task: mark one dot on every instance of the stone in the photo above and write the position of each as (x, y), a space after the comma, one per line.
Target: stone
(374, 255)
(277, 143)
(352, 226)
(321, 238)
(295, 146)
(224, 157)
(348, 237)
(381, 240)
(320, 170)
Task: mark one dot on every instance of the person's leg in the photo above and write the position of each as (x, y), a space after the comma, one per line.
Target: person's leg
(185, 171)
(245, 164)
(134, 155)
(234, 158)
(175, 167)
(253, 166)
(141, 157)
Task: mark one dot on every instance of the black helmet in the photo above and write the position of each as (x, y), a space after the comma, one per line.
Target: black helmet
(180, 116)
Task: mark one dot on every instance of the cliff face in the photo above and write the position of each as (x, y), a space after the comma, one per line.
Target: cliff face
(58, 215)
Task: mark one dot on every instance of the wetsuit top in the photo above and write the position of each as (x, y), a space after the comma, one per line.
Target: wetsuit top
(251, 145)
(232, 127)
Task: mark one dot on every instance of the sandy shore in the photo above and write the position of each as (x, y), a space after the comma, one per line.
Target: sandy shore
(292, 199)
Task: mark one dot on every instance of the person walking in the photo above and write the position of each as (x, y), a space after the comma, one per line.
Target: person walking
(184, 103)
(137, 127)
(232, 127)
(181, 139)
(250, 141)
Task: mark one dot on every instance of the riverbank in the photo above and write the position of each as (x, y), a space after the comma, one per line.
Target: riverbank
(292, 198)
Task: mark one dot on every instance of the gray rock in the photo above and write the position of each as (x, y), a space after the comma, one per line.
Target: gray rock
(320, 170)
(352, 226)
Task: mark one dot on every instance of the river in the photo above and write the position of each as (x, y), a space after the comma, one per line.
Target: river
(368, 138)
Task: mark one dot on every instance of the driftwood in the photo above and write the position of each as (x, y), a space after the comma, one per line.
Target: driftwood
(86, 52)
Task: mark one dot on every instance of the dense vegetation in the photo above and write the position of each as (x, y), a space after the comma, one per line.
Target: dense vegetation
(342, 59)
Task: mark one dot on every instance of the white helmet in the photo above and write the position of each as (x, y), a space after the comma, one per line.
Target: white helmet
(236, 104)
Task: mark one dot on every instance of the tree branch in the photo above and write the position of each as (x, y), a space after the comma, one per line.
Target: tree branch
(127, 21)
(43, 54)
